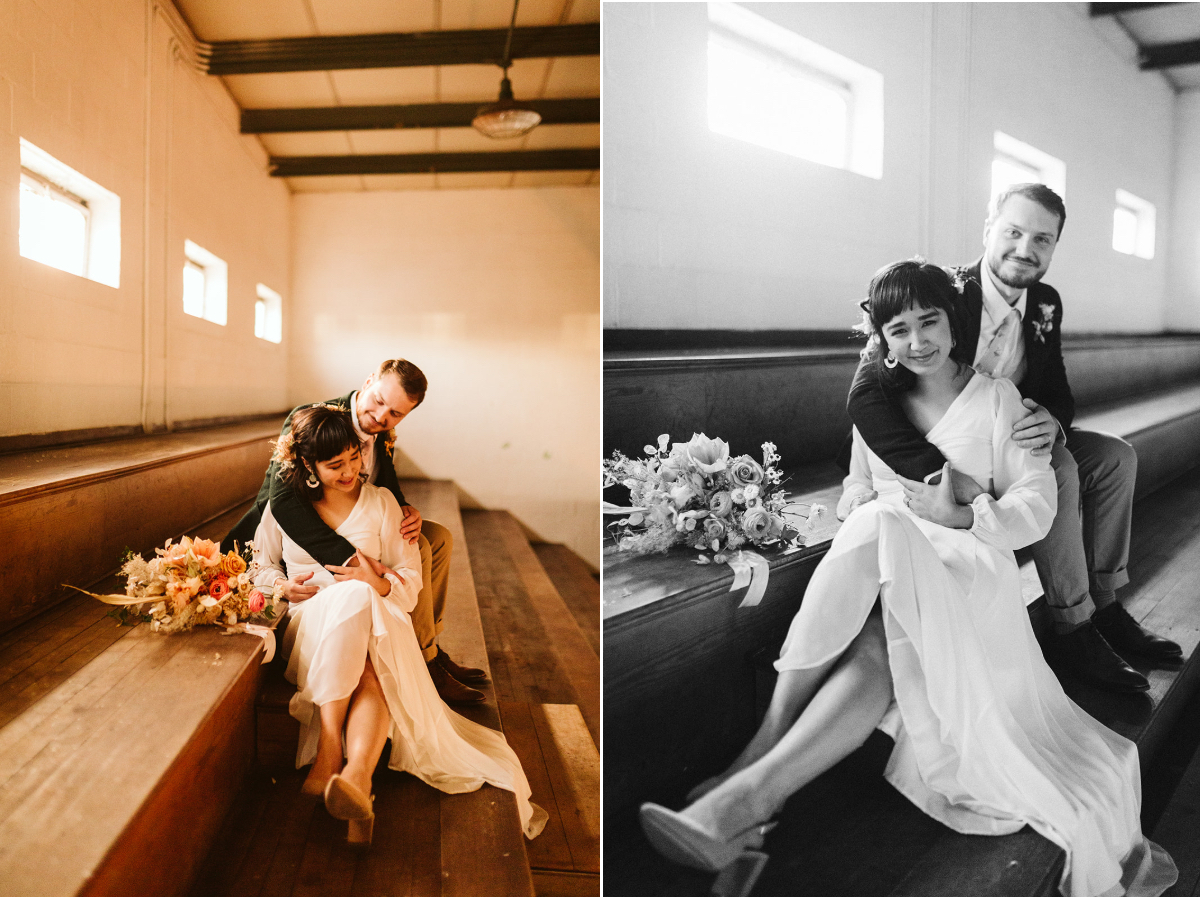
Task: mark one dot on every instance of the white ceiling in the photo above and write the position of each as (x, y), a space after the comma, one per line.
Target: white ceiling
(1168, 23)
(560, 77)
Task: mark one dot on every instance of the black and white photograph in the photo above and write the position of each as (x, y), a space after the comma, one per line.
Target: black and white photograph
(901, 571)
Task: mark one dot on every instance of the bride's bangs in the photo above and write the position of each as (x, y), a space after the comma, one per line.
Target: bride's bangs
(332, 435)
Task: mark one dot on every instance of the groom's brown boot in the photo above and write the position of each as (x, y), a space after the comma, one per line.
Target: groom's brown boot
(451, 690)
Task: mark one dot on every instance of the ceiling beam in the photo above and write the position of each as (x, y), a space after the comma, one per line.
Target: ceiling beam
(434, 163)
(421, 115)
(1161, 56)
(1112, 9)
(371, 51)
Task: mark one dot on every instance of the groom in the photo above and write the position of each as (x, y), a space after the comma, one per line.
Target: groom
(386, 398)
(1013, 322)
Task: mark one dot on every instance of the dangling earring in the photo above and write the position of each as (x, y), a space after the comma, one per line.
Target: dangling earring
(891, 361)
(312, 482)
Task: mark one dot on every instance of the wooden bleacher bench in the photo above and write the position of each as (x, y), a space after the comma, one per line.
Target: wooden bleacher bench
(681, 687)
(119, 749)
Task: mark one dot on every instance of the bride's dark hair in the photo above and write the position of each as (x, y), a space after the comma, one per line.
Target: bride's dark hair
(318, 433)
(896, 288)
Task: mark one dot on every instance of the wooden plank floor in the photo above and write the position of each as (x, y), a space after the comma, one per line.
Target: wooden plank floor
(849, 834)
(578, 585)
(536, 650)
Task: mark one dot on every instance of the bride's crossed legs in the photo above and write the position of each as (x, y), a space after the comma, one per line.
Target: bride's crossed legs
(364, 716)
(817, 717)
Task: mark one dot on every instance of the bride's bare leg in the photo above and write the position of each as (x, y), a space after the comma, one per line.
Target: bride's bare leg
(838, 719)
(367, 727)
(329, 746)
(793, 690)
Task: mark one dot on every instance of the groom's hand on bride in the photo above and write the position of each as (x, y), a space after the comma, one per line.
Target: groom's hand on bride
(364, 571)
(1037, 430)
(410, 526)
(965, 488)
(935, 502)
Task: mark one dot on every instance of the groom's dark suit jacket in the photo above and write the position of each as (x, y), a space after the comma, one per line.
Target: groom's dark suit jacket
(889, 433)
(297, 517)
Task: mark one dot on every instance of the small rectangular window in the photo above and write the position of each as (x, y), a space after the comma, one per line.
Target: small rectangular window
(1133, 226)
(67, 221)
(54, 225)
(205, 284)
(268, 315)
(1015, 162)
(776, 89)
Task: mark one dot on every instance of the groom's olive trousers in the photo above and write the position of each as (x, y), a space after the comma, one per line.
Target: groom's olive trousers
(1083, 558)
(435, 543)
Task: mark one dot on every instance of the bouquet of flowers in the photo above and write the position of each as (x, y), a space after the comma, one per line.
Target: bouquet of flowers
(190, 584)
(695, 494)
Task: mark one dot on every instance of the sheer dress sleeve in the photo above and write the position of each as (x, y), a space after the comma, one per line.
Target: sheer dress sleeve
(1027, 497)
(400, 555)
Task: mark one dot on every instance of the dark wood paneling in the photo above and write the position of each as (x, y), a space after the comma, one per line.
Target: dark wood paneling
(1161, 56)
(431, 163)
(366, 51)
(418, 115)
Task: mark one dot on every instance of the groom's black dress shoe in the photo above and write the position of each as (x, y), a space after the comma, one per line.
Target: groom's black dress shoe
(1085, 654)
(1132, 641)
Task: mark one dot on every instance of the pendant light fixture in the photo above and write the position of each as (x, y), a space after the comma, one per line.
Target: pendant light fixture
(506, 117)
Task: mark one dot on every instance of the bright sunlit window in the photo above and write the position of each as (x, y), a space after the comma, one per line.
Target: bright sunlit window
(205, 284)
(1015, 162)
(268, 315)
(68, 221)
(771, 87)
(1133, 226)
(54, 225)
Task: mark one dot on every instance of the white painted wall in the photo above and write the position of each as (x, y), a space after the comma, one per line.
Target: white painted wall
(1184, 284)
(704, 231)
(74, 80)
(494, 295)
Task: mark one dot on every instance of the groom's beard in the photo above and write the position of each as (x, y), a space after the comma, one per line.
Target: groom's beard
(1018, 277)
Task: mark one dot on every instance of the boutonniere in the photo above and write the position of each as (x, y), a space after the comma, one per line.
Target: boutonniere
(1046, 324)
(389, 441)
(959, 279)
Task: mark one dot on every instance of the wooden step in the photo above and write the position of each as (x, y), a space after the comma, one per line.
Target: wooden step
(101, 499)
(120, 749)
(554, 662)
(425, 842)
(563, 767)
(849, 833)
(578, 585)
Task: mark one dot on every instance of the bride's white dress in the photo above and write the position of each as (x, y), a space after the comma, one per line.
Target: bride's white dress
(986, 740)
(330, 635)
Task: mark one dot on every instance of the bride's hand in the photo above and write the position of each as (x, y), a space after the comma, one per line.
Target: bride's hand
(294, 589)
(936, 503)
(366, 570)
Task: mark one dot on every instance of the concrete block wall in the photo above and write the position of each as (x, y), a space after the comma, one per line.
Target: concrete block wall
(106, 89)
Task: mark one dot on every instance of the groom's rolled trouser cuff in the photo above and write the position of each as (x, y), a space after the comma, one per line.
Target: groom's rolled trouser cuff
(1059, 557)
(1107, 476)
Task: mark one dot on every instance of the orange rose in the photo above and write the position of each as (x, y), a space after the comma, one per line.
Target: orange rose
(232, 564)
(206, 552)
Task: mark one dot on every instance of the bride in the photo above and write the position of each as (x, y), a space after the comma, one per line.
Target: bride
(945, 662)
(351, 648)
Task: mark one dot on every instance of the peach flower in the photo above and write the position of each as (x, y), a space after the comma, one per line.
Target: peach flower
(206, 552)
(257, 601)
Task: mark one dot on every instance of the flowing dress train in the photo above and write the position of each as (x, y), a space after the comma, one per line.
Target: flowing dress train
(330, 635)
(986, 739)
